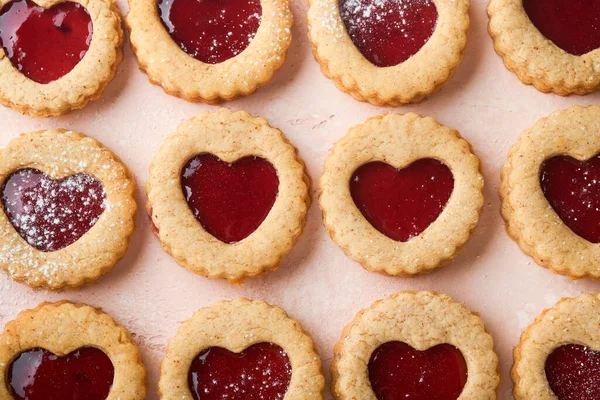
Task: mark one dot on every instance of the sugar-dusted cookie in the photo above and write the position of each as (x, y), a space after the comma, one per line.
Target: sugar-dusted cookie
(559, 354)
(69, 351)
(210, 50)
(415, 345)
(241, 349)
(389, 52)
(401, 194)
(67, 210)
(551, 192)
(56, 56)
(227, 195)
(553, 45)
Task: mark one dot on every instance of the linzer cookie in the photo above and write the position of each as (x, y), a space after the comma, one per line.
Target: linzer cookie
(415, 345)
(389, 52)
(227, 195)
(67, 211)
(69, 351)
(241, 349)
(401, 194)
(559, 354)
(551, 194)
(56, 56)
(553, 45)
(210, 50)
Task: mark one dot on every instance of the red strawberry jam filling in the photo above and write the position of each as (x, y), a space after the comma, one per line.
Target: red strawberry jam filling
(573, 372)
(230, 200)
(572, 188)
(211, 31)
(389, 32)
(45, 44)
(402, 203)
(262, 371)
(52, 214)
(38, 374)
(398, 371)
(572, 25)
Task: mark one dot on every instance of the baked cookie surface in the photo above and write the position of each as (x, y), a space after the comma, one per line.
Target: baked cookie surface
(401, 194)
(230, 333)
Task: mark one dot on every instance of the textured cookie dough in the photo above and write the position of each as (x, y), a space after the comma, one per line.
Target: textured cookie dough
(571, 321)
(530, 220)
(64, 327)
(229, 136)
(84, 83)
(60, 153)
(399, 140)
(236, 325)
(535, 59)
(179, 74)
(411, 81)
(421, 320)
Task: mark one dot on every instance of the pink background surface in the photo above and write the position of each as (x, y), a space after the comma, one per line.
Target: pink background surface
(317, 284)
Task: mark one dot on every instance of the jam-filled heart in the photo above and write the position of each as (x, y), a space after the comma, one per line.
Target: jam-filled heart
(38, 374)
(389, 32)
(262, 371)
(573, 372)
(572, 188)
(45, 44)
(211, 31)
(402, 203)
(52, 214)
(572, 25)
(398, 371)
(230, 200)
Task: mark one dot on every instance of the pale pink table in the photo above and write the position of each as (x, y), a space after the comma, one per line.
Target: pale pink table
(317, 284)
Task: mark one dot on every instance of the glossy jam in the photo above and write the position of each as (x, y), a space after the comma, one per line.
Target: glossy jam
(402, 203)
(229, 200)
(573, 372)
(211, 31)
(52, 214)
(572, 25)
(573, 190)
(397, 371)
(38, 374)
(389, 32)
(45, 44)
(261, 372)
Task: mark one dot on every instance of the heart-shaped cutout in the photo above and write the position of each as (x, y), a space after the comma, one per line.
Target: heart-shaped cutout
(573, 372)
(572, 188)
(38, 374)
(230, 200)
(211, 31)
(262, 371)
(45, 44)
(52, 214)
(402, 203)
(398, 371)
(572, 25)
(389, 32)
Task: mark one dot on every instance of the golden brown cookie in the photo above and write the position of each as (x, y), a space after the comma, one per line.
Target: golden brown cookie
(389, 53)
(559, 354)
(63, 55)
(65, 350)
(553, 45)
(401, 194)
(227, 195)
(550, 192)
(230, 51)
(241, 346)
(67, 210)
(418, 344)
